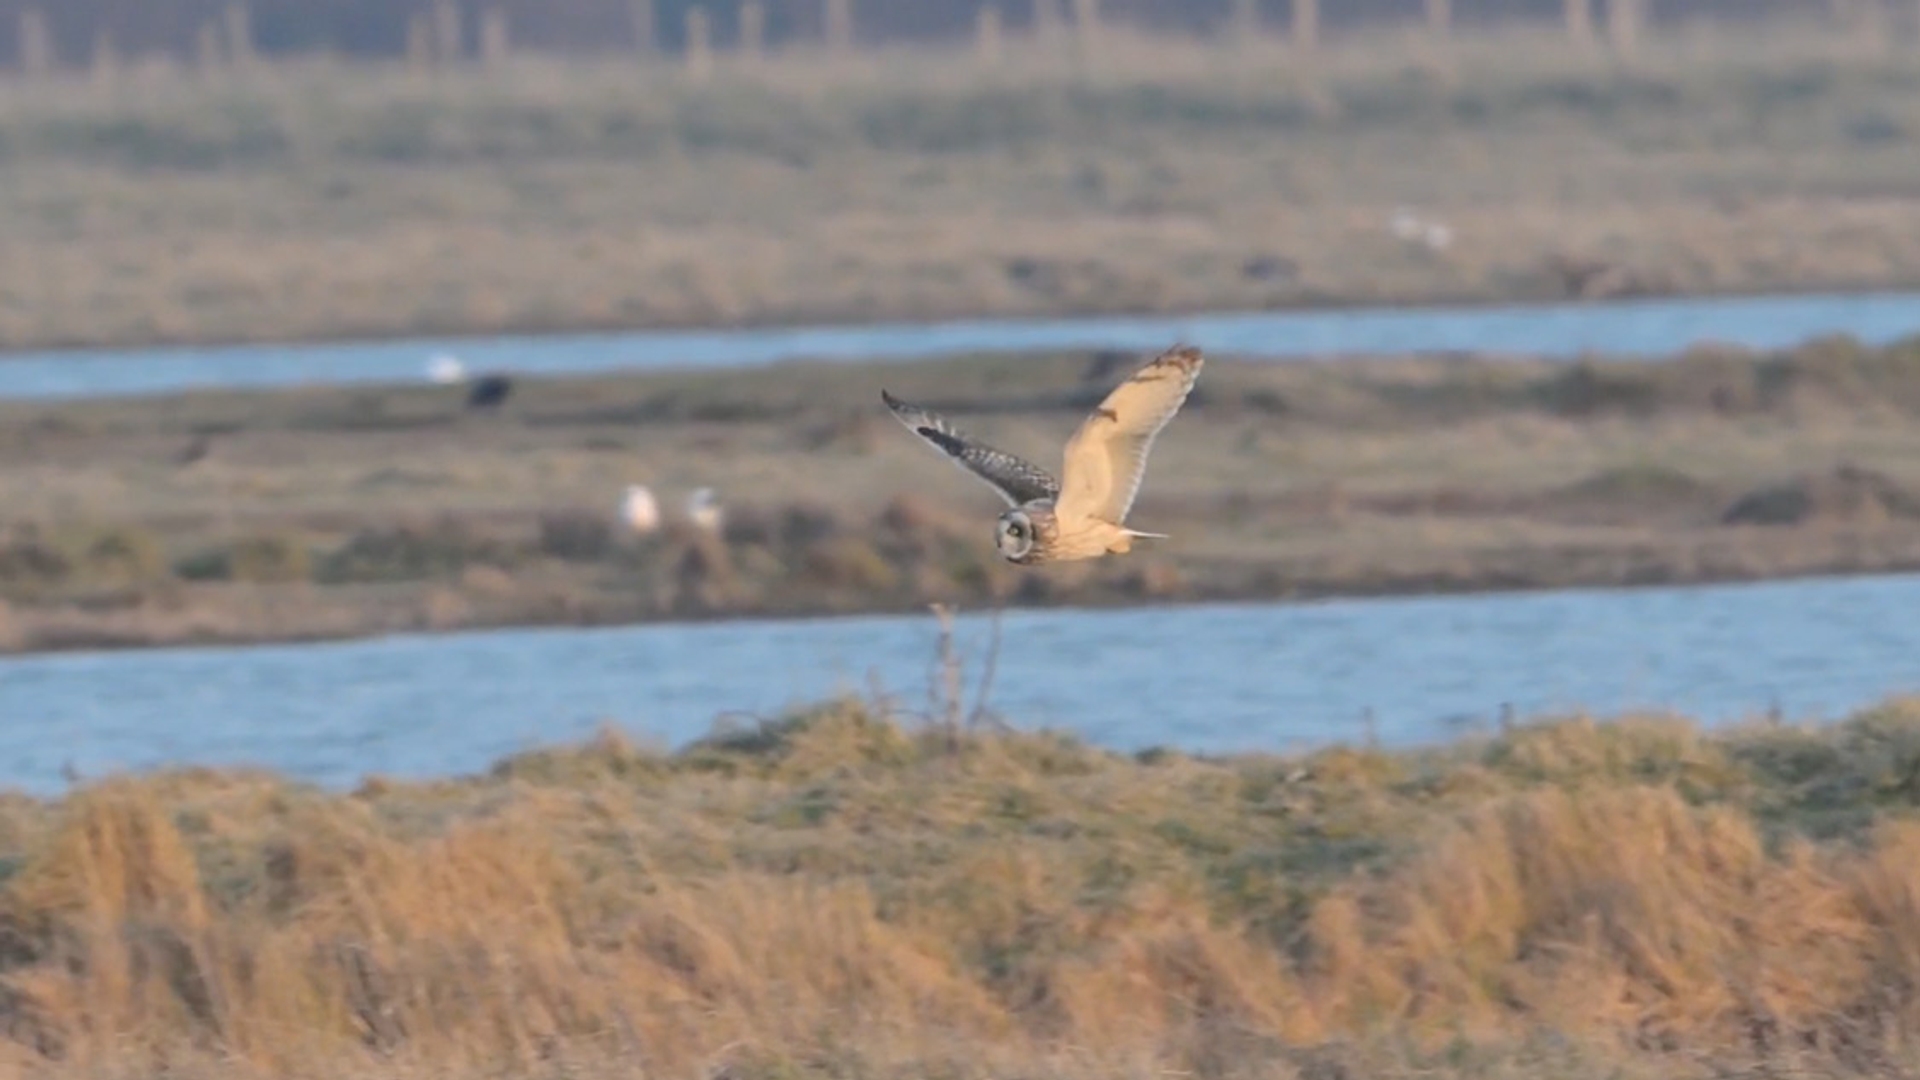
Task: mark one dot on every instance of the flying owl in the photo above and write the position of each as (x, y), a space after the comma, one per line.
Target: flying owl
(1083, 514)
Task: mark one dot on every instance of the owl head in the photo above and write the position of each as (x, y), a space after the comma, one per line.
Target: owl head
(1016, 536)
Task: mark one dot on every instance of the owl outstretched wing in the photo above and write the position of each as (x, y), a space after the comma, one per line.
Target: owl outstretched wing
(1015, 478)
(1106, 458)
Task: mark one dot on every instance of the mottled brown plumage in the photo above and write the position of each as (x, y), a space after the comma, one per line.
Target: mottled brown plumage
(1082, 516)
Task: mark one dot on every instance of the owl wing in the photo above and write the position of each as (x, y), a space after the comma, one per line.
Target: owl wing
(1106, 458)
(1016, 479)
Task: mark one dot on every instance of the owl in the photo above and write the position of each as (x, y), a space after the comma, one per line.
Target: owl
(1083, 514)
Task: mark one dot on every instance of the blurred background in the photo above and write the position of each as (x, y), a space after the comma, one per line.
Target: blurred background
(465, 610)
(341, 321)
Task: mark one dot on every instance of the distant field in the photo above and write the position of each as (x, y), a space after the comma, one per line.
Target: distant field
(340, 511)
(316, 200)
(854, 893)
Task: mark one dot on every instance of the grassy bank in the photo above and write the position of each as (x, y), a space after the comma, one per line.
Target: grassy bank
(846, 893)
(330, 512)
(312, 201)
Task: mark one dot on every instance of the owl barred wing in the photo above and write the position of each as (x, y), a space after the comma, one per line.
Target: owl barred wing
(1016, 479)
(1107, 457)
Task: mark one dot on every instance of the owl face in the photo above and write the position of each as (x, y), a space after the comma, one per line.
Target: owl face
(1015, 536)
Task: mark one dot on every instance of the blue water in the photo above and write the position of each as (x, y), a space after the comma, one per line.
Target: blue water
(1627, 328)
(1203, 678)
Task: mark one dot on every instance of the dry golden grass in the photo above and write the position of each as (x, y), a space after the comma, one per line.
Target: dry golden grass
(840, 895)
(329, 512)
(317, 201)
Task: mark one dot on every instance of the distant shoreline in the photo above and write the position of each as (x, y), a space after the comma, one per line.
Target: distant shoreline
(461, 333)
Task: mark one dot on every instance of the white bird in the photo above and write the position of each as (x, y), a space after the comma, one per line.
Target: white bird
(640, 510)
(703, 509)
(1405, 223)
(444, 368)
(1438, 237)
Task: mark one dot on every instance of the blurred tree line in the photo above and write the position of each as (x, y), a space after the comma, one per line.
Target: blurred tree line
(380, 27)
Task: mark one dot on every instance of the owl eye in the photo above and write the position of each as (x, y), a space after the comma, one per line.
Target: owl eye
(1016, 530)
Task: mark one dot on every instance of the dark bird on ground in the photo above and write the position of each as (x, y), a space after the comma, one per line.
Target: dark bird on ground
(489, 392)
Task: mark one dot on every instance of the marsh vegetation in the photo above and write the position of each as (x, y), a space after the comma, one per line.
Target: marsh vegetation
(310, 199)
(850, 891)
(227, 516)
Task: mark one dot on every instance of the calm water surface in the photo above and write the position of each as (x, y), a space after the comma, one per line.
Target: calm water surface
(1631, 328)
(1207, 678)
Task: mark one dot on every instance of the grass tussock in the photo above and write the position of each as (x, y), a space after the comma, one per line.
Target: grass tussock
(844, 892)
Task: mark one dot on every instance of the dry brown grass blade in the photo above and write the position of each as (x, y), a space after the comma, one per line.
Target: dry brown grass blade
(837, 895)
